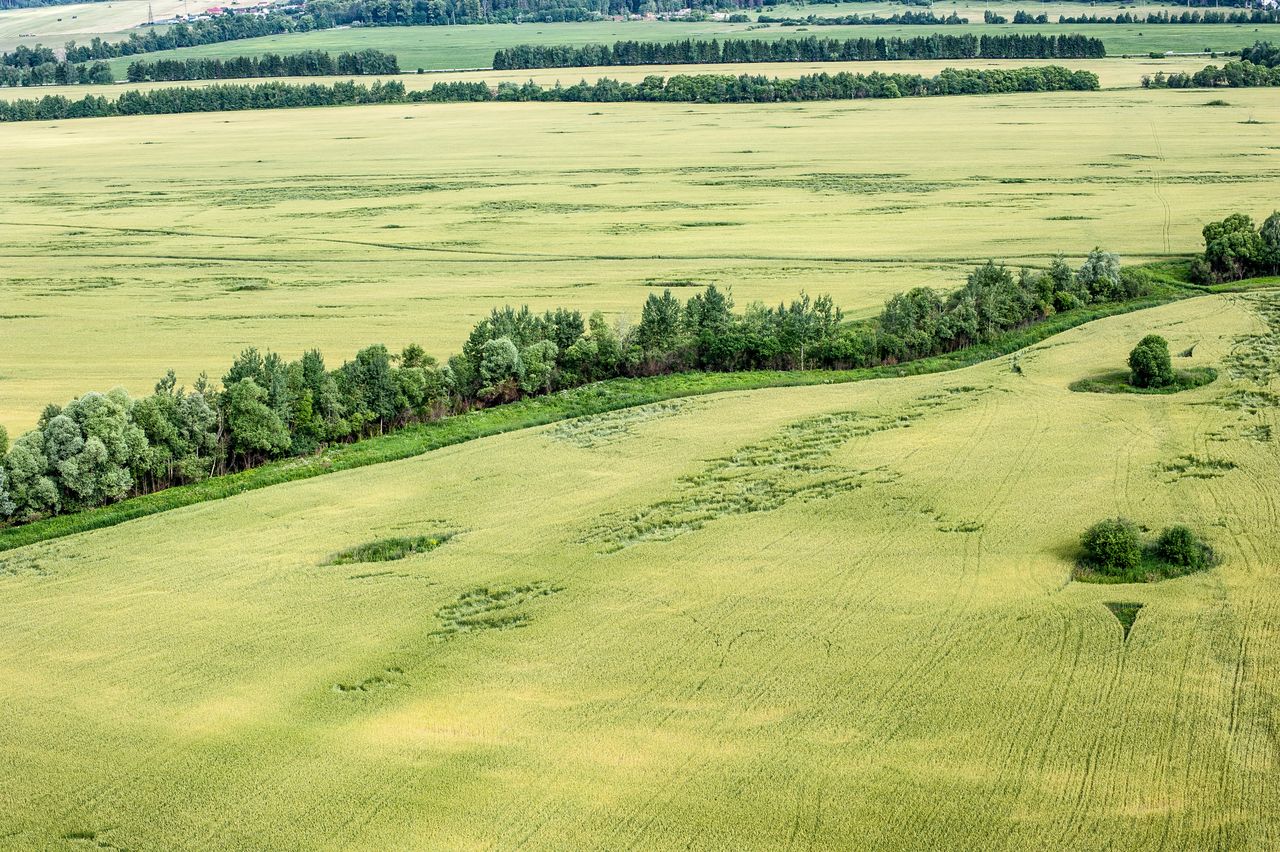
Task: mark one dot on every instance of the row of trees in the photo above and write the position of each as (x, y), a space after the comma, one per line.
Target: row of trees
(100, 448)
(214, 98)
(1262, 53)
(896, 19)
(923, 322)
(701, 88)
(1233, 75)
(714, 88)
(1247, 16)
(310, 63)
(689, 52)
(56, 74)
(1234, 248)
(228, 27)
(445, 12)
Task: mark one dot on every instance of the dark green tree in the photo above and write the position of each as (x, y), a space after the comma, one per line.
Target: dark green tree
(1149, 363)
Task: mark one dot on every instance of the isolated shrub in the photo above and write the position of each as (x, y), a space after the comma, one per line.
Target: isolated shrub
(1178, 545)
(1150, 364)
(1112, 546)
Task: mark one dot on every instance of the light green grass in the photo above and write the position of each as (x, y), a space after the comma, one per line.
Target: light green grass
(897, 661)
(135, 245)
(474, 46)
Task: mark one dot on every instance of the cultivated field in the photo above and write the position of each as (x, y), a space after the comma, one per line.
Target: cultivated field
(767, 620)
(1112, 73)
(54, 25)
(473, 46)
(132, 245)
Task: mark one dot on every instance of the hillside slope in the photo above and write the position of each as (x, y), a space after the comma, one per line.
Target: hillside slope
(821, 617)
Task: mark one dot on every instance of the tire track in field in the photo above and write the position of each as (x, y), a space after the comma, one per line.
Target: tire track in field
(625, 827)
(938, 645)
(1157, 186)
(484, 255)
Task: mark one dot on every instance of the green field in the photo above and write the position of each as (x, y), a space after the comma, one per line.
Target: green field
(473, 46)
(134, 245)
(821, 617)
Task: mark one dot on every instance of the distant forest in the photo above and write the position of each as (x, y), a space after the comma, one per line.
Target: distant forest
(936, 46)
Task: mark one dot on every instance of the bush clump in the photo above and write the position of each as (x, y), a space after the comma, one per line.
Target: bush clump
(1112, 546)
(388, 549)
(1150, 364)
(1178, 545)
(1113, 552)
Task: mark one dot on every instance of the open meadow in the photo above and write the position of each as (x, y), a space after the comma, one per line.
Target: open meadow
(134, 245)
(795, 618)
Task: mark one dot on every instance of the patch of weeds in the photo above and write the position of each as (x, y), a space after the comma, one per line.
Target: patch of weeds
(1217, 102)
(1197, 467)
(791, 465)
(19, 566)
(1249, 401)
(389, 678)
(389, 549)
(599, 430)
(1260, 432)
(1070, 218)
(92, 839)
(684, 282)
(1256, 357)
(1125, 613)
(962, 527)
(485, 608)
(1118, 382)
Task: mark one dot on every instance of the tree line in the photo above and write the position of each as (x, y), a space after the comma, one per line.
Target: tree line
(700, 88)
(309, 63)
(56, 74)
(1234, 248)
(1246, 16)
(1234, 75)
(896, 19)
(228, 27)
(102, 447)
(715, 88)
(214, 98)
(811, 49)
(1258, 66)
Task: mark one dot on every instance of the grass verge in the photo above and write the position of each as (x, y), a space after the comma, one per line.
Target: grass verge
(538, 411)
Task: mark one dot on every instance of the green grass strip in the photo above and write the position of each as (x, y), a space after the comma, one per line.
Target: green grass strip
(597, 398)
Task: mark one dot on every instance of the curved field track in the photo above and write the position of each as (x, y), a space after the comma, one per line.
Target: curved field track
(823, 617)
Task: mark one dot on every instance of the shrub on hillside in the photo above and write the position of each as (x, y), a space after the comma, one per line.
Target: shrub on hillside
(1179, 546)
(1112, 546)
(1150, 363)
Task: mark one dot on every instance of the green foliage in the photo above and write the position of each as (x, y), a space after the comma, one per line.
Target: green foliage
(702, 88)
(389, 549)
(535, 411)
(1121, 381)
(308, 63)
(1112, 547)
(1179, 546)
(1150, 364)
(1113, 552)
(810, 49)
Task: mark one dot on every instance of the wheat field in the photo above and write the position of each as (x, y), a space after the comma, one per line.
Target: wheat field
(134, 245)
(797, 618)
